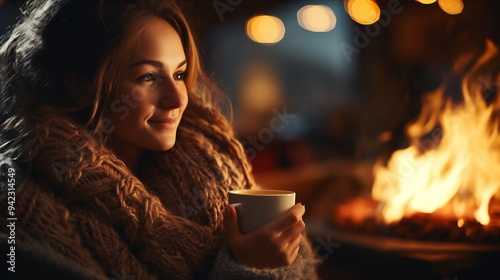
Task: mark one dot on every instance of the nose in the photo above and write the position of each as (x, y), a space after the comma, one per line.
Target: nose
(173, 94)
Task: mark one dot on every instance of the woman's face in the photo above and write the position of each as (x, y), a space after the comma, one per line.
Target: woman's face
(152, 95)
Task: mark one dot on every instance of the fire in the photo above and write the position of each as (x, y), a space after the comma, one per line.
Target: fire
(452, 167)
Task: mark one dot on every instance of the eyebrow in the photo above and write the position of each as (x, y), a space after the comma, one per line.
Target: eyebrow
(154, 63)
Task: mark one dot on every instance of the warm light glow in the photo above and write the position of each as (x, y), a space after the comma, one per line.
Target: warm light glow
(460, 222)
(265, 29)
(260, 87)
(363, 11)
(452, 7)
(455, 170)
(260, 92)
(426, 1)
(316, 18)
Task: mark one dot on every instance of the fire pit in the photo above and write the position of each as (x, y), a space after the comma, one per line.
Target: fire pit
(446, 185)
(361, 255)
(452, 167)
(434, 209)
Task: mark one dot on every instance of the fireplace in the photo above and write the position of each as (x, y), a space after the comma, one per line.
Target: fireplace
(449, 175)
(432, 210)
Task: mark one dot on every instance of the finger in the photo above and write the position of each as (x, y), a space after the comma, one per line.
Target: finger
(289, 219)
(294, 254)
(292, 232)
(231, 224)
(295, 243)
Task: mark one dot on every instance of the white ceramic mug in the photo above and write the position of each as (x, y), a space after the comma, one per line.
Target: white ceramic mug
(256, 208)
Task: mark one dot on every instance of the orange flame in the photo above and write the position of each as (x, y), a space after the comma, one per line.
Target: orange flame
(454, 171)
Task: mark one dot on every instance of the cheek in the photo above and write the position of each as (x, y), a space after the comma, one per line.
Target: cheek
(138, 94)
(131, 105)
(184, 99)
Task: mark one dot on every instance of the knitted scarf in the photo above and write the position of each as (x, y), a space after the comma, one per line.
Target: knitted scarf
(165, 222)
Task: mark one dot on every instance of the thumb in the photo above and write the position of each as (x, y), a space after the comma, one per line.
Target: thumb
(231, 223)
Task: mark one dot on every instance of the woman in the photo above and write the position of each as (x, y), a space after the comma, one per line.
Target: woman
(121, 156)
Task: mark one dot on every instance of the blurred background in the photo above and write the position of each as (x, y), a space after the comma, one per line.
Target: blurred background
(350, 74)
(323, 89)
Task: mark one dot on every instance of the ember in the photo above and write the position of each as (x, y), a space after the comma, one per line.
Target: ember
(358, 214)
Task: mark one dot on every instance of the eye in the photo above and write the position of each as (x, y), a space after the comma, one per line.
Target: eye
(149, 77)
(180, 76)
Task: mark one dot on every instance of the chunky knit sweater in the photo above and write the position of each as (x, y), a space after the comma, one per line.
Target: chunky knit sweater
(82, 214)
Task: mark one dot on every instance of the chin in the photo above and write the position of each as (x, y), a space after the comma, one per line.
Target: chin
(167, 145)
(160, 144)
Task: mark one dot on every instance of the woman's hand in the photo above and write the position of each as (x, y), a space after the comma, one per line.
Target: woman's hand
(272, 245)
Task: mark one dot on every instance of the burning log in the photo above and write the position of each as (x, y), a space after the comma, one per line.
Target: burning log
(360, 215)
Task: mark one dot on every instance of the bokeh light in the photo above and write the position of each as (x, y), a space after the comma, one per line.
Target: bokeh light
(452, 7)
(265, 29)
(426, 1)
(363, 11)
(317, 18)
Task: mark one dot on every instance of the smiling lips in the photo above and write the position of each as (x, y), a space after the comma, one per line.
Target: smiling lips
(164, 123)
